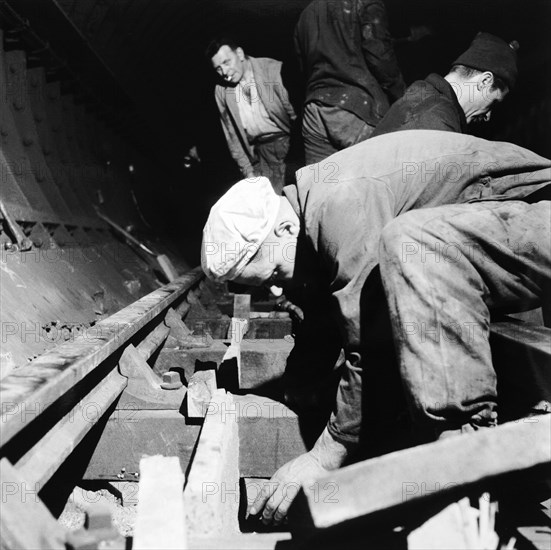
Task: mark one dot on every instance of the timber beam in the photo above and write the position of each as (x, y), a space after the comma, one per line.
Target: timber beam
(391, 481)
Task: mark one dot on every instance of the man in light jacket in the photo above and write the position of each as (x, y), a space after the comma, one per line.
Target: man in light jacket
(255, 110)
(325, 239)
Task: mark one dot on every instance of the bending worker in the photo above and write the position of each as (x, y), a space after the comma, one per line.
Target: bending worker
(326, 238)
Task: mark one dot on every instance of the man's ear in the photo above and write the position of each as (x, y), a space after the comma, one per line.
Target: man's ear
(289, 227)
(486, 79)
(240, 53)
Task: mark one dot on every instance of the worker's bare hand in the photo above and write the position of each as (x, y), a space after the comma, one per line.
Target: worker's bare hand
(277, 494)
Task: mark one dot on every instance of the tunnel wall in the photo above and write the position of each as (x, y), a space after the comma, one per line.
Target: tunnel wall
(62, 267)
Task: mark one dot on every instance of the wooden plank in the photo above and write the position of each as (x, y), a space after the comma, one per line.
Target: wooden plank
(160, 515)
(269, 435)
(242, 306)
(456, 526)
(212, 490)
(391, 480)
(24, 521)
(40, 463)
(229, 371)
(52, 374)
(201, 388)
(536, 537)
(166, 266)
(262, 361)
(238, 329)
(269, 315)
(131, 434)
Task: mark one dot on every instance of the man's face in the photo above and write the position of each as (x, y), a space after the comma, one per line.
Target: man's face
(273, 264)
(484, 99)
(228, 64)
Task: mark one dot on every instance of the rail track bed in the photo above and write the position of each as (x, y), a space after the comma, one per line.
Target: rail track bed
(154, 429)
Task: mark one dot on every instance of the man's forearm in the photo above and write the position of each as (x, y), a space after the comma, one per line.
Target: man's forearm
(330, 452)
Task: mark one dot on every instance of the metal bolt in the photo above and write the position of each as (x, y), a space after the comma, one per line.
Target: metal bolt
(26, 244)
(171, 381)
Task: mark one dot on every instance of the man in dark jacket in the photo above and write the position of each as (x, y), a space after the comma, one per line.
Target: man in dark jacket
(479, 78)
(348, 61)
(325, 239)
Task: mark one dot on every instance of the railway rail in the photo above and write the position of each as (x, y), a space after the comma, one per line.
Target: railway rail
(51, 404)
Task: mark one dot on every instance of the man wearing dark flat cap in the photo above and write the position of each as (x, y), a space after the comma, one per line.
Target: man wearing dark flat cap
(479, 78)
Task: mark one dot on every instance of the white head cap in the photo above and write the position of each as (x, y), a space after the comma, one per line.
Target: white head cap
(236, 227)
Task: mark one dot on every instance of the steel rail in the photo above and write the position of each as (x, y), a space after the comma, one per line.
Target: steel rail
(41, 383)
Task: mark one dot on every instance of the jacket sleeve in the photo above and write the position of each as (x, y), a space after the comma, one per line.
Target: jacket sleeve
(313, 359)
(234, 144)
(298, 50)
(286, 102)
(349, 246)
(378, 49)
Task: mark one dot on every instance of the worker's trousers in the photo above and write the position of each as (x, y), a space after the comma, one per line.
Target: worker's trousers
(327, 129)
(444, 270)
(271, 160)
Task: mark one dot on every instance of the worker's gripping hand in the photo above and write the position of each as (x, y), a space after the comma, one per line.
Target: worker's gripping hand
(278, 494)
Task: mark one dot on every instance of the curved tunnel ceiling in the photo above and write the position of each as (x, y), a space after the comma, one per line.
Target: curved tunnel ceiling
(154, 48)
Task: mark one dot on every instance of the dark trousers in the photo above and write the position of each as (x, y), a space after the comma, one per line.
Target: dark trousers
(271, 156)
(328, 129)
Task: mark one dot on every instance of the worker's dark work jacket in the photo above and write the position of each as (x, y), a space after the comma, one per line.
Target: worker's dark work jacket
(429, 104)
(347, 57)
(342, 218)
